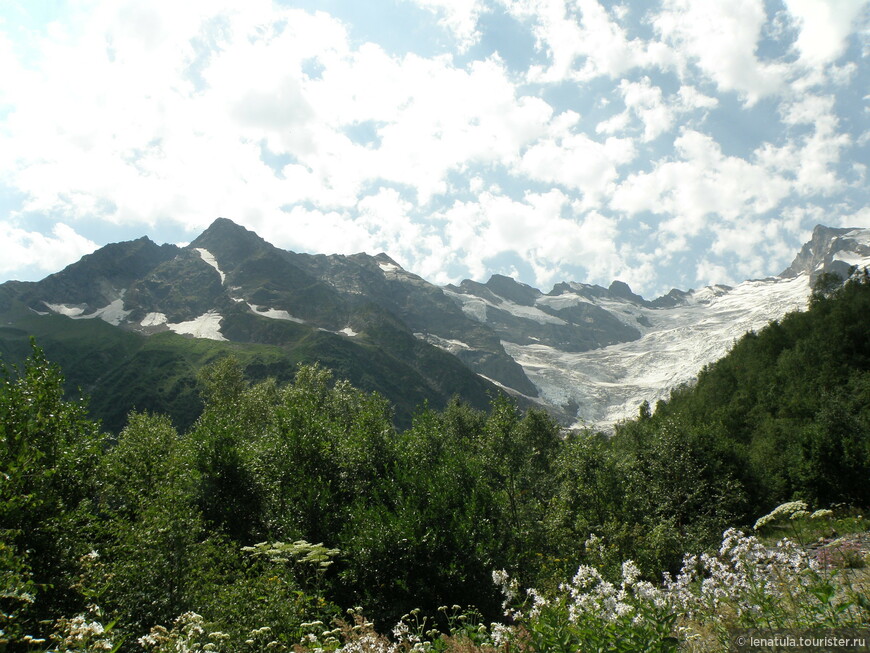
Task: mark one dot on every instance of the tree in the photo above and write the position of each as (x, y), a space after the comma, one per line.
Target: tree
(49, 451)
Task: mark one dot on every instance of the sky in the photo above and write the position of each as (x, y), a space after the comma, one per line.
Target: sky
(671, 143)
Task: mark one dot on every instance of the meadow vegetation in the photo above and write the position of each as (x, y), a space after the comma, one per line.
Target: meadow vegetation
(296, 516)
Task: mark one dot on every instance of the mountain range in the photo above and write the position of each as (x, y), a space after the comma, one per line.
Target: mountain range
(133, 322)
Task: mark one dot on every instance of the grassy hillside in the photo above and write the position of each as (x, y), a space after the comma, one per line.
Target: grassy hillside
(121, 371)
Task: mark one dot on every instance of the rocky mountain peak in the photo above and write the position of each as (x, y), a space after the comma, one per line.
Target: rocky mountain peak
(101, 277)
(513, 290)
(229, 242)
(830, 249)
(385, 262)
(588, 353)
(623, 291)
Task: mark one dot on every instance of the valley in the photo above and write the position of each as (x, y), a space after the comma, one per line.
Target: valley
(588, 355)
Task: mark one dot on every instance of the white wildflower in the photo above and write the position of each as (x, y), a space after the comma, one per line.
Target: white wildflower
(630, 573)
(501, 635)
(782, 510)
(538, 602)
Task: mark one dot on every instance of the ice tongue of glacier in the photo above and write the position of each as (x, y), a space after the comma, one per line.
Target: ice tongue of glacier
(608, 384)
(678, 338)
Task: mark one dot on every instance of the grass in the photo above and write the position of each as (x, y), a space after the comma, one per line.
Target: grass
(122, 371)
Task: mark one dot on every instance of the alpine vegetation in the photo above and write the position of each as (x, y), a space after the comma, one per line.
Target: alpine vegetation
(297, 516)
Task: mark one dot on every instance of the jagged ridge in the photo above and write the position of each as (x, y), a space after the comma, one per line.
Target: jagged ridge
(588, 354)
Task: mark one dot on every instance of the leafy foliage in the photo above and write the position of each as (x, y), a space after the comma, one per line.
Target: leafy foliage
(792, 403)
(49, 452)
(284, 500)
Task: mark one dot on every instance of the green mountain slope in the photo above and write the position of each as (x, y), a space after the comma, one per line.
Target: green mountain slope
(121, 370)
(270, 308)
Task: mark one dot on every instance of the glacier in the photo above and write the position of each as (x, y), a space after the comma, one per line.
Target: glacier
(609, 383)
(677, 335)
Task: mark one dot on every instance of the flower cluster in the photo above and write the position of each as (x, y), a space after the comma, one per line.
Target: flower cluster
(592, 596)
(747, 579)
(189, 634)
(82, 633)
(298, 551)
(413, 633)
(746, 583)
(510, 589)
(785, 510)
(589, 612)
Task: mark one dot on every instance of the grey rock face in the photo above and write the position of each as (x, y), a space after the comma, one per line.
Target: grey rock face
(588, 354)
(833, 250)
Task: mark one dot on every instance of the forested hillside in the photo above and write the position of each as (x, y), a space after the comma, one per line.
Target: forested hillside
(791, 403)
(285, 504)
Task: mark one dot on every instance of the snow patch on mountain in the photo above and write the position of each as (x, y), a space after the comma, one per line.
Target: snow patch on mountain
(113, 313)
(529, 313)
(273, 313)
(473, 307)
(388, 267)
(447, 344)
(209, 258)
(850, 258)
(861, 235)
(563, 301)
(207, 325)
(478, 308)
(628, 313)
(346, 331)
(65, 309)
(153, 319)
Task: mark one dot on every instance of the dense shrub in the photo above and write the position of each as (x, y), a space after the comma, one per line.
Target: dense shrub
(283, 502)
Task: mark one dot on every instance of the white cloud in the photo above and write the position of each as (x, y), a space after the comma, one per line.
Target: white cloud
(577, 162)
(721, 39)
(458, 16)
(824, 26)
(814, 164)
(809, 110)
(583, 47)
(691, 98)
(303, 229)
(645, 101)
(200, 145)
(859, 218)
(30, 249)
(701, 183)
(456, 118)
(710, 273)
(657, 113)
(615, 124)
(754, 245)
(496, 224)
(386, 217)
(430, 117)
(546, 231)
(287, 121)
